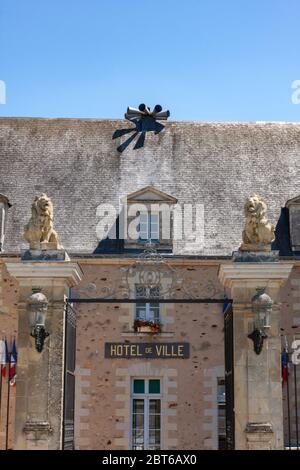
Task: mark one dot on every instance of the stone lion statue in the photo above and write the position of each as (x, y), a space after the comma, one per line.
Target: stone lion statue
(40, 226)
(258, 229)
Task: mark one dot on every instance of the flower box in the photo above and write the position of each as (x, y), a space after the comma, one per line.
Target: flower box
(144, 329)
(145, 326)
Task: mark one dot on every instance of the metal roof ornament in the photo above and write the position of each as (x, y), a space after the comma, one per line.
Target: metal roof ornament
(144, 120)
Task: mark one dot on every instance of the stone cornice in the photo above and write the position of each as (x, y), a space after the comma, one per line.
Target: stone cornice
(229, 273)
(70, 272)
(178, 260)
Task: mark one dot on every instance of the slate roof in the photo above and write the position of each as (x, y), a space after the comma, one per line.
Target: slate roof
(76, 163)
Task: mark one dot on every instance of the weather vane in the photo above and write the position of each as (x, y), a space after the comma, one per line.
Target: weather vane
(144, 121)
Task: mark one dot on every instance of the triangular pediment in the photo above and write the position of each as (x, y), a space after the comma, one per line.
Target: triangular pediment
(150, 194)
(295, 201)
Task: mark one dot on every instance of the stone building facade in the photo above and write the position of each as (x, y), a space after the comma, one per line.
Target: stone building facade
(177, 400)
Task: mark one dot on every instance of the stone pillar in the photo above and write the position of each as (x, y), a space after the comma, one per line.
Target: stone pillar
(257, 378)
(39, 392)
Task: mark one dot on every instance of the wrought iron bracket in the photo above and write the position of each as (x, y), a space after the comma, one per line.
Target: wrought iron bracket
(39, 334)
(258, 337)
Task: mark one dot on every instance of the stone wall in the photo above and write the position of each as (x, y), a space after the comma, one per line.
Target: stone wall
(189, 386)
(290, 329)
(8, 329)
(103, 385)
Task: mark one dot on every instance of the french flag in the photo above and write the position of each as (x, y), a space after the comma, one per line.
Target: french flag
(3, 357)
(285, 365)
(13, 365)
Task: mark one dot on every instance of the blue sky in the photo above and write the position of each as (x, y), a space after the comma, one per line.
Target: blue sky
(232, 60)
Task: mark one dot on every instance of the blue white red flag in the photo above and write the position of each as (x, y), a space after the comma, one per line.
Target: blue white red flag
(285, 364)
(13, 365)
(3, 357)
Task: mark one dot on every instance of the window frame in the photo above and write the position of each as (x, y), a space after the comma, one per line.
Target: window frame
(149, 215)
(146, 397)
(148, 306)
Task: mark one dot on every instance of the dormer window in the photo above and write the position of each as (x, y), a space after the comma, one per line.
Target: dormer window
(149, 219)
(4, 206)
(293, 206)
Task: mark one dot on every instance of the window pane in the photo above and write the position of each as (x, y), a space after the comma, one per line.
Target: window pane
(138, 439)
(154, 406)
(138, 387)
(221, 390)
(144, 226)
(154, 312)
(138, 436)
(154, 235)
(144, 217)
(138, 406)
(154, 387)
(138, 423)
(155, 447)
(144, 235)
(154, 219)
(154, 421)
(140, 308)
(154, 227)
(154, 437)
(140, 312)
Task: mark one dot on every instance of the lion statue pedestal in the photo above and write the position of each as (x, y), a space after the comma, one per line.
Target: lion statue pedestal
(42, 246)
(252, 247)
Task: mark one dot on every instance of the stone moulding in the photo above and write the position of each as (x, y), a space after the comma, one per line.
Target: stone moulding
(37, 429)
(228, 273)
(59, 270)
(259, 428)
(44, 255)
(255, 256)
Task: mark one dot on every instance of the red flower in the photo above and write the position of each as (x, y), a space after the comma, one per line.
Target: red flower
(153, 325)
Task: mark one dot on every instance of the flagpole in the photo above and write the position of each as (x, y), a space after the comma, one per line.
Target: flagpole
(288, 393)
(1, 395)
(1, 390)
(8, 399)
(296, 404)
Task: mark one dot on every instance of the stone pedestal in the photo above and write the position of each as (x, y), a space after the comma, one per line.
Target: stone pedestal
(257, 378)
(39, 392)
(259, 436)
